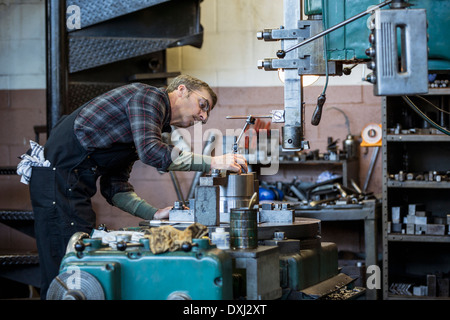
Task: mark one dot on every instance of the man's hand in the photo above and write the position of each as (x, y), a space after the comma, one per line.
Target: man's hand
(162, 213)
(231, 162)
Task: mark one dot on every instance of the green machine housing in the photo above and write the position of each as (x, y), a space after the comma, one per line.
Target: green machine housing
(99, 272)
(284, 268)
(349, 43)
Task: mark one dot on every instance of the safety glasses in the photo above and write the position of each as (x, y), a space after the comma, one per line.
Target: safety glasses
(203, 104)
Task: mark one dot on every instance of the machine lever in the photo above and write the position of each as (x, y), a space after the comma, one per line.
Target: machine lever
(80, 246)
(250, 120)
(122, 245)
(317, 115)
(187, 246)
(282, 53)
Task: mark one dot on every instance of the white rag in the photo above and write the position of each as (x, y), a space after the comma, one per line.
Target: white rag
(112, 237)
(35, 159)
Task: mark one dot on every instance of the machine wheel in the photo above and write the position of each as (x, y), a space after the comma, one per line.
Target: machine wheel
(75, 285)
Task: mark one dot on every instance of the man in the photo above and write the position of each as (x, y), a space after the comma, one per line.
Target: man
(103, 138)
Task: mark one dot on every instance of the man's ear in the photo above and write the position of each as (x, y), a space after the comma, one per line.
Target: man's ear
(181, 90)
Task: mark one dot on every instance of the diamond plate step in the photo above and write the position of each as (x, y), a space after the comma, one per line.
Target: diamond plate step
(93, 12)
(21, 220)
(8, 170)
(90, 52)
(21, 215)
(113, 31)
(11, 258)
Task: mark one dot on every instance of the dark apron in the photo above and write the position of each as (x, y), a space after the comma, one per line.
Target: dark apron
(61, 194)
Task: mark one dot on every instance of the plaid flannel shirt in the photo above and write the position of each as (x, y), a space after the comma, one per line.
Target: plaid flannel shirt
(135, 113)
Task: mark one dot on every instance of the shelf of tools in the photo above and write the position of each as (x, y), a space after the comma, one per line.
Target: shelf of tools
(416, 184)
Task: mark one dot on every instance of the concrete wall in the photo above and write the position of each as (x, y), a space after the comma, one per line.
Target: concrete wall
(227, 61)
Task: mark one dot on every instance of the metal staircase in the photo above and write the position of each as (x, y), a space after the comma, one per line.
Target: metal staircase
(17, 267)
(118, 42)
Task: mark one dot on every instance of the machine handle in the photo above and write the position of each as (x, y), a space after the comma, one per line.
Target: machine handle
(317, 115)
(187, 246)
(79, 246)
(122, 245)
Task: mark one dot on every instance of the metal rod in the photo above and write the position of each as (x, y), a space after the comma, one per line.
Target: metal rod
(250, 120)
(207, 149)
(343, 23)
(242, 132)
(57, 62)
(371, 166)
(177, 187)
(245, 117)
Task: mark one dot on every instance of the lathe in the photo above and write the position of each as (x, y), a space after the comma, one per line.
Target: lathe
(271, 255)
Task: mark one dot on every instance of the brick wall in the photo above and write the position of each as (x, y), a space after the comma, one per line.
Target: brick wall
(20, 110)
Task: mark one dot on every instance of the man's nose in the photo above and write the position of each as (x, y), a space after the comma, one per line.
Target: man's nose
(203, 116)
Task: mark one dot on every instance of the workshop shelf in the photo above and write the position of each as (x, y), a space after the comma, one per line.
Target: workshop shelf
(418, 238)
(418, 137)
(419, 184)
(416, 188)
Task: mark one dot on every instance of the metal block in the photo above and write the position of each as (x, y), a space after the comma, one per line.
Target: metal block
(421, 228)
(178, 213)
(181, 215)
(431, 284)
(280, 215)
(413, 207)
(262, 271)
(443, 287)
(436, 229)
(213, 181)
(396, 214)
(224, 217)
(439, 220)
(207, 205)
(420, 290)
(421, 220)
(328, 260)
(396, 227)
(421, 213)
(410, 219)
(410, 75)
(285, 246)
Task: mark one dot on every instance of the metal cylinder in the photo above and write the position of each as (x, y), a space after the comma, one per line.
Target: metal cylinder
(350, 147)
(238, 191)
(243, 228)
(292, 137)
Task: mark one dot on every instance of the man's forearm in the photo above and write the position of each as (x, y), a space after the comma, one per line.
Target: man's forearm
(188, 161)
(131, 203)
